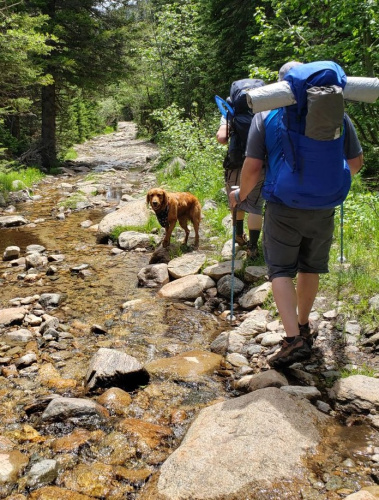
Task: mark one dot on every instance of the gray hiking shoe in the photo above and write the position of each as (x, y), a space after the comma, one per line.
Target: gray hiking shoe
(290, 352)
(309, 334)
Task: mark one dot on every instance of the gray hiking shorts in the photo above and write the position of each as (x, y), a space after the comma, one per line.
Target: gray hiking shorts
(254, 201)
(296, 240)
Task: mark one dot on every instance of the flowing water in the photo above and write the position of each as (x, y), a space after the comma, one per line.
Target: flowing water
(153, 328)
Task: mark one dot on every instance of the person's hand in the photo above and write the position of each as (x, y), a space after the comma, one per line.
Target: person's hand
(234, 198)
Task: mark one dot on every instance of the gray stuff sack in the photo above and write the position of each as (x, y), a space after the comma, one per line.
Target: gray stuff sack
(324, 120)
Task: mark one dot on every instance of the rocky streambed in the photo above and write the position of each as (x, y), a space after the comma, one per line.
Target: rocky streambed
(121, 378)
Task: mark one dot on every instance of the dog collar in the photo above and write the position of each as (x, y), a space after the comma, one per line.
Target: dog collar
(163, 217)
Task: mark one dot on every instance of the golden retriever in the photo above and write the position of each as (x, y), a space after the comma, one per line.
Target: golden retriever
(172, 207)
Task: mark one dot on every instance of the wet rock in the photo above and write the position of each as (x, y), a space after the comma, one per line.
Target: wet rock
(34, 249)
(217, 271)
(73, 441)
(112, 368)
(150, 434)
(56, 493)
(12, 221)
(153, 276)
(12, 315)
(186, 264)
(256, 296)
(270, 378)
(56, 258)
(356, 394)
(21, 335)
(82, 410)
(269, 428)
(98, 480)
(51, 300)
(42, 473)
(186, 366)
(115, 400)
(187, 288)
(12, 463)
(224, 286)
(35, 260)
(26, 360)
(12, 252)
(80, 267)
(9, 371)
(130, 240)
(98, 330)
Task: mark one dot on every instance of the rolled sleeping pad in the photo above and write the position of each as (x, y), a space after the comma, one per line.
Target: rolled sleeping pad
(359, 88)
(272, 96)
(277, 95)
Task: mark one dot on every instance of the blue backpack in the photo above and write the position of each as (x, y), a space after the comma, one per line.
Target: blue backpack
(306, 142)
(239, 117)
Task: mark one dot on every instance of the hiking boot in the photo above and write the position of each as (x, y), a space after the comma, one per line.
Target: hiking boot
(252, 251)
(308, 335)
(241, 240)
(290, 352)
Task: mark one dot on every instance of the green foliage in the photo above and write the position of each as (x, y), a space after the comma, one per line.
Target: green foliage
(194, 141)
(360, 247)
(28, 177)
(363, 370)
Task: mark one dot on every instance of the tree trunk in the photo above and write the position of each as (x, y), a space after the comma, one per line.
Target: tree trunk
(48, 132)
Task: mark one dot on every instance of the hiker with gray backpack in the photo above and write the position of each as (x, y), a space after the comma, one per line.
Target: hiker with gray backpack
(233, 130)
(311, 150)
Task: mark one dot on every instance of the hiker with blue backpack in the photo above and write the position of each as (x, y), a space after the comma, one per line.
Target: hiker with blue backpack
(233, 130)
(310, 150)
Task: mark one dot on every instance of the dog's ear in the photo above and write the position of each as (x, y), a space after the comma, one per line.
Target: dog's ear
(148, 197)
(164, 198)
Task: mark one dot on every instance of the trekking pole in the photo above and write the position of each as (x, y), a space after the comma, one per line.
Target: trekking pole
(231, 317)
(341, 258)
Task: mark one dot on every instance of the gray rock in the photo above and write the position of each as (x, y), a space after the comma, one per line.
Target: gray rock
(51, 300)
(270, 429)
(112, 368)
(217, 271)
(310, 393)
(44, 472)
(189, 263)
(134, 213)
(374, 302)
(34, 249)
(12, 315)
(269, 378)
(11, 253)
(21, 335)
(85, 411)
(12, 221)
(187, 288)
(256, 296)
(255, 273)
(129, 240)
(224, 286)
(153, 276)
(356, 394)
